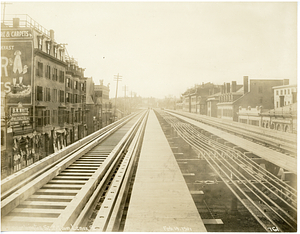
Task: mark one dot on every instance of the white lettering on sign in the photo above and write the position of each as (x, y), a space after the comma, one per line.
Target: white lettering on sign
(15, 34)
(6, 86)
(10, 47)
(4, 63)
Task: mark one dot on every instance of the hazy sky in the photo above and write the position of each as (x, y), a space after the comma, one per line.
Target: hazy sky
(163, 48)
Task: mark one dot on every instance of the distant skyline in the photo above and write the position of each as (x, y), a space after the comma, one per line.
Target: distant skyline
(163, 48)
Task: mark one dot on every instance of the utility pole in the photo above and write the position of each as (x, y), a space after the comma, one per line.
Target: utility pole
(116, 78)
(125, 89)
(4, 4)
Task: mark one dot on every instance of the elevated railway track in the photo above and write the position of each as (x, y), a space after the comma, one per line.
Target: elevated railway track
(282, 142)
(270, 200)
(63, 196)
(87, 186)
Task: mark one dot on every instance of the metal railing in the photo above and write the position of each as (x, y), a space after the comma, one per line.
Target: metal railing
(26, 22)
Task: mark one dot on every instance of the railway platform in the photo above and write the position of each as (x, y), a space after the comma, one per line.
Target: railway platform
(160, 199)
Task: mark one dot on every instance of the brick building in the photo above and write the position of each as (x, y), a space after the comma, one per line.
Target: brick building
(39, 104)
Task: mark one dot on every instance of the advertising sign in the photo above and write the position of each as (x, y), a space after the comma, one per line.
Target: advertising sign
(19, 116)
(16, 71)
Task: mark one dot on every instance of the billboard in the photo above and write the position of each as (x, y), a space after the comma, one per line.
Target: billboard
(16, 70)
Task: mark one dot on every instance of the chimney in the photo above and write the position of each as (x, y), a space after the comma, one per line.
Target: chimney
(233, 86)
(245, 84)
(224, 88)
(227, 87)
(16, 22)
(286, 82)
(52, 35)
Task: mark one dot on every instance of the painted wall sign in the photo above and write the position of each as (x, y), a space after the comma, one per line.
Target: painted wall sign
(16, 34)
(16, 71)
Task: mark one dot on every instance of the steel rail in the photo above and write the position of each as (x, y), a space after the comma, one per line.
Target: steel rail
(75, 204)
(209, 159)
(190, 135)
(239, 155)
(287, 188)
(75, 207)
(82, 219)
(11, 184)
(248, 133)
(108, 217)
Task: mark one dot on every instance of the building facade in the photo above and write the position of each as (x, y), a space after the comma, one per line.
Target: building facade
(42, 112)
(103, 115)
(195, 99)
(259, 96)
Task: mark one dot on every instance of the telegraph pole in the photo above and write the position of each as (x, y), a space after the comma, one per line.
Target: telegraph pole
(116, 78)
(125, 89)
(4, 4)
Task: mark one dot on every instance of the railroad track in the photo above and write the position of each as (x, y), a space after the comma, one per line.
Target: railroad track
(284, 142)
(65, 196)
(271, 201)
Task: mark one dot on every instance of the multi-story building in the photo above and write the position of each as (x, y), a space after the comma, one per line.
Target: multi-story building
(283, 116)
(74, 120)
(103, 105)
(258, 97)
(90, 105)
(194, 99)
(284, 95)
(33, 78)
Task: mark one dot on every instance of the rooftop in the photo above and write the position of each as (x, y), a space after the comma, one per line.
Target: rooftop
(25, 21)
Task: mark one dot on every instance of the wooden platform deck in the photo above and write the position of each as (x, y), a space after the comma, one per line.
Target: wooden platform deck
(160, 200)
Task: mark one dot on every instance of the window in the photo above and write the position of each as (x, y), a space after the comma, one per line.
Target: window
(46, 117)
(285, 92)
(48, 47)
(54, 117)
(39, 93)
(47, 72)
(68, 82)
(55, 51)
(39, 117)
(277, 93)
(288, 91)
(60, 55)
(39, 70)
(40, 43)
(61, 96)
(76, 117)
(60, 116)
(75, 84)
(79, 115)
(2, 138)
(54, 95)
(67, 97)
(70, 98)
(47, 95)
(281, 92)
(75, 98)
(67, 116)
(54, 76)
(61, 76)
